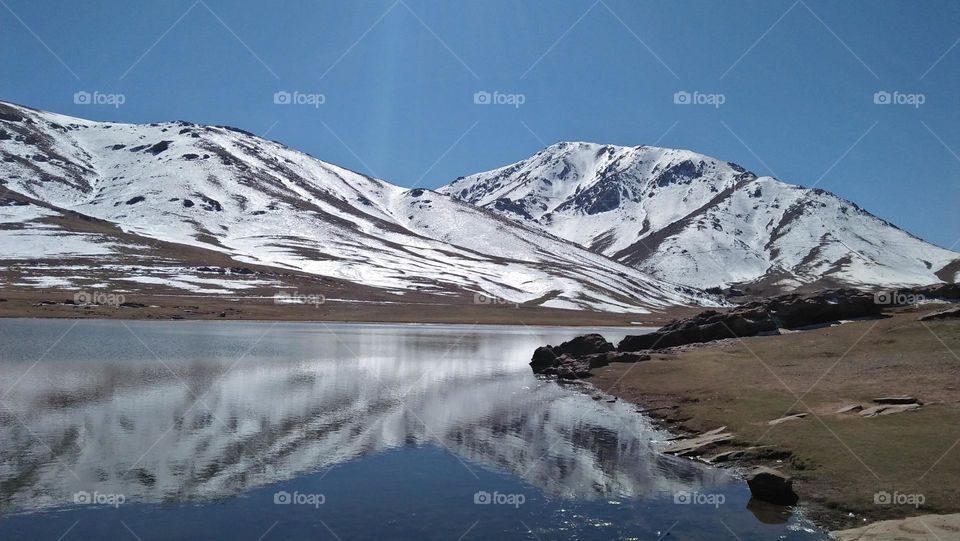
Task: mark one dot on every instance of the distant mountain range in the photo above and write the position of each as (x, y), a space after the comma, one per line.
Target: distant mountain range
(132, 206)
(578, 225)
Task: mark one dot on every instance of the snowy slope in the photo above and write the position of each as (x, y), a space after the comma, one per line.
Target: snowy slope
(692, 219)
(222, 189)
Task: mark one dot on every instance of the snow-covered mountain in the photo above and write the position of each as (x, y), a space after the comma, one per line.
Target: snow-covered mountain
(224, 191)
(699, 221)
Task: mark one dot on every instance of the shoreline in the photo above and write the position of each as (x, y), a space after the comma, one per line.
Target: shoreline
(839, 462)
(325, 322)
(60, 305)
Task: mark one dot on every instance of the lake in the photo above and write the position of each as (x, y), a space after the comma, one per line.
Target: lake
(259, 431)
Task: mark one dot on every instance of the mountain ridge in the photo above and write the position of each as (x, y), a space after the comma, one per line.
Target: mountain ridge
(258, 202)
(654, 208)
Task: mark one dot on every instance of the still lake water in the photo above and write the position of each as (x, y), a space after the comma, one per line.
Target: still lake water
(260, 431)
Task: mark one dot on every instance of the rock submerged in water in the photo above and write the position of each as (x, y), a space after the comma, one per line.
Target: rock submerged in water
(770, 485)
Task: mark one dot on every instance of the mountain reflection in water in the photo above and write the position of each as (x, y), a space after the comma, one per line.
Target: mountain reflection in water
(198, 415)
(206, 416)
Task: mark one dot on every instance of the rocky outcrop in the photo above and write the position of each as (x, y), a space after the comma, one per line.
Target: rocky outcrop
(582, 345)
(570, 367)
(769, 485)
(766, 316)
(574, 359)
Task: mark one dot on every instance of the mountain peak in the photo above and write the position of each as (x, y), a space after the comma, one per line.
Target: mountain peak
(696, 220)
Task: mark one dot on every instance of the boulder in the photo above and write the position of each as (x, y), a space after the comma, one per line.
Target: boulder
(584, 345)
(769, 485)
(574, 359)
(543, 356)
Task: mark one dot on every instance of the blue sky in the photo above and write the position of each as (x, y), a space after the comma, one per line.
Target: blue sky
(797, 81)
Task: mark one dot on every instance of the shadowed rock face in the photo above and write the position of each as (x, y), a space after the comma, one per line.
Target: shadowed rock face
(771, 486)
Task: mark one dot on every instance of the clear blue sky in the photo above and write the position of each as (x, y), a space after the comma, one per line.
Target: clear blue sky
(398, 78)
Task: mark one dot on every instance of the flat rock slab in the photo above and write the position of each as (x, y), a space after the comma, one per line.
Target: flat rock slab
(850, 409)
(922, 528)
(888, 409)
(794, 417)
(691, 445)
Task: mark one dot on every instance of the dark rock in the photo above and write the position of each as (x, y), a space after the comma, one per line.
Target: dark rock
(543, 356)
(159, 147)
(769, 485)
(584, 345)
(211, 204)
(766, 316)
(9, 115)
(572, 368)
(573, 358)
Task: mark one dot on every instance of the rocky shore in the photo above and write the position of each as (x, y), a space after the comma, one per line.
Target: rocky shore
(796, 391)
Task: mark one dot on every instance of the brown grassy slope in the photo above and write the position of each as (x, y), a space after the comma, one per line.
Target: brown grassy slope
(840, 461)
